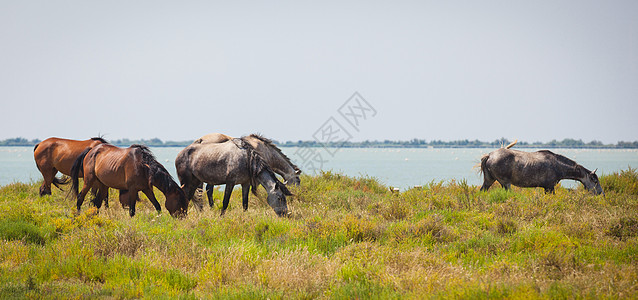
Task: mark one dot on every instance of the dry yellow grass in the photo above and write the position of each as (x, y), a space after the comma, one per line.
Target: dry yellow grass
(347, 238)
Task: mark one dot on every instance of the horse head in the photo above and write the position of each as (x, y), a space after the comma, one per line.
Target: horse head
(176, 202)
(591, 182)
(293, 178)
(277, 198)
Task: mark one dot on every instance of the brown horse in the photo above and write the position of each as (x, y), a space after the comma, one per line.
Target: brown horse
(130, 170)
(56, 154)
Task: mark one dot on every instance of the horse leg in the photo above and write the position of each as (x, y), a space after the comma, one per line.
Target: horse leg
(227, 191)
(487, 181)
(124, 195)
(198, 200)
(106, 200)
(132, 201)
(151, 196)
(209, 192)
(105, 196)
(549, 190)
(245, 191)
(506, 185)
(102, 193)
(88, 182)
(49, 177)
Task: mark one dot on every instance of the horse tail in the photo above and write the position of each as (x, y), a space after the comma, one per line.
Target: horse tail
(484, 169)
(61, 181)
(185, 176)
(78, 164)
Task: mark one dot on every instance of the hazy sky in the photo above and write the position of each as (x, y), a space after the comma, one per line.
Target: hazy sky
(531, 70)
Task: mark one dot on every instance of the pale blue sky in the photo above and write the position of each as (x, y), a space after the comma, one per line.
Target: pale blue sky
(531, 70)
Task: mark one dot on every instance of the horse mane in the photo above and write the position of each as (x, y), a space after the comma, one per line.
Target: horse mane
(565, 161)
(256, 165)
(99, 138)
(160, 176)
(269, 143)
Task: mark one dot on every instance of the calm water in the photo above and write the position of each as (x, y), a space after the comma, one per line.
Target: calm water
(395, 167)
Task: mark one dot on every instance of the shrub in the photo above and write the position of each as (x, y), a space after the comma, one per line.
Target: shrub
(12, 229)
(506, 226)
(624, 182)
(624, 228)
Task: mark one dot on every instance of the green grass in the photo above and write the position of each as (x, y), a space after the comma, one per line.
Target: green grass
(346, 238)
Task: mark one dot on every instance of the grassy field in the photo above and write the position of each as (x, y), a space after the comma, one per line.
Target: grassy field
(346, 238)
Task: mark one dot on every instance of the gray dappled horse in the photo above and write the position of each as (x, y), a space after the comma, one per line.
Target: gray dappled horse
(231, 162)
(272, 155)
(534, 169)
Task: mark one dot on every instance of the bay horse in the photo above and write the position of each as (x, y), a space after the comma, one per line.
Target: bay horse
(272, 155)
(130, 170)
(231, 162)
(55, 155)
(534, 169)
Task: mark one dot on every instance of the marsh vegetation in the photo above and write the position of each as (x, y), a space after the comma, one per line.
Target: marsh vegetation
(346, 237)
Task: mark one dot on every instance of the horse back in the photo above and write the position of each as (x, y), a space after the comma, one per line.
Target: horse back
(60, 153)
(525, 169)
(219, 163)
(116, 167)
(213, 138)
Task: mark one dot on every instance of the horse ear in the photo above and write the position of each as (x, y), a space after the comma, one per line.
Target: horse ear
(297, 172)
(595, 171)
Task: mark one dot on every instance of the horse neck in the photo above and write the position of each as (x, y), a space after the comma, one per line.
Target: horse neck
(267, 180)
(277, 162)
(576, 172)
(162, 188)
(281, 166)
(160, 180)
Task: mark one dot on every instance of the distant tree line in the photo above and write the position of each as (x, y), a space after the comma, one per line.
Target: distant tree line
(155, 142)
(19, 142)
(420, 143)
(414, 143)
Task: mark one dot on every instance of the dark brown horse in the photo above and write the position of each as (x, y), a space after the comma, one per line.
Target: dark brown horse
(130, 170)
(56, 154)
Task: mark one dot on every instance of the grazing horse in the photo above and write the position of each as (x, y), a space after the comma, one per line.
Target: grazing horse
(232, 162)
(56, 154)
(130, 170)
(272, 155)
(534, 169)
